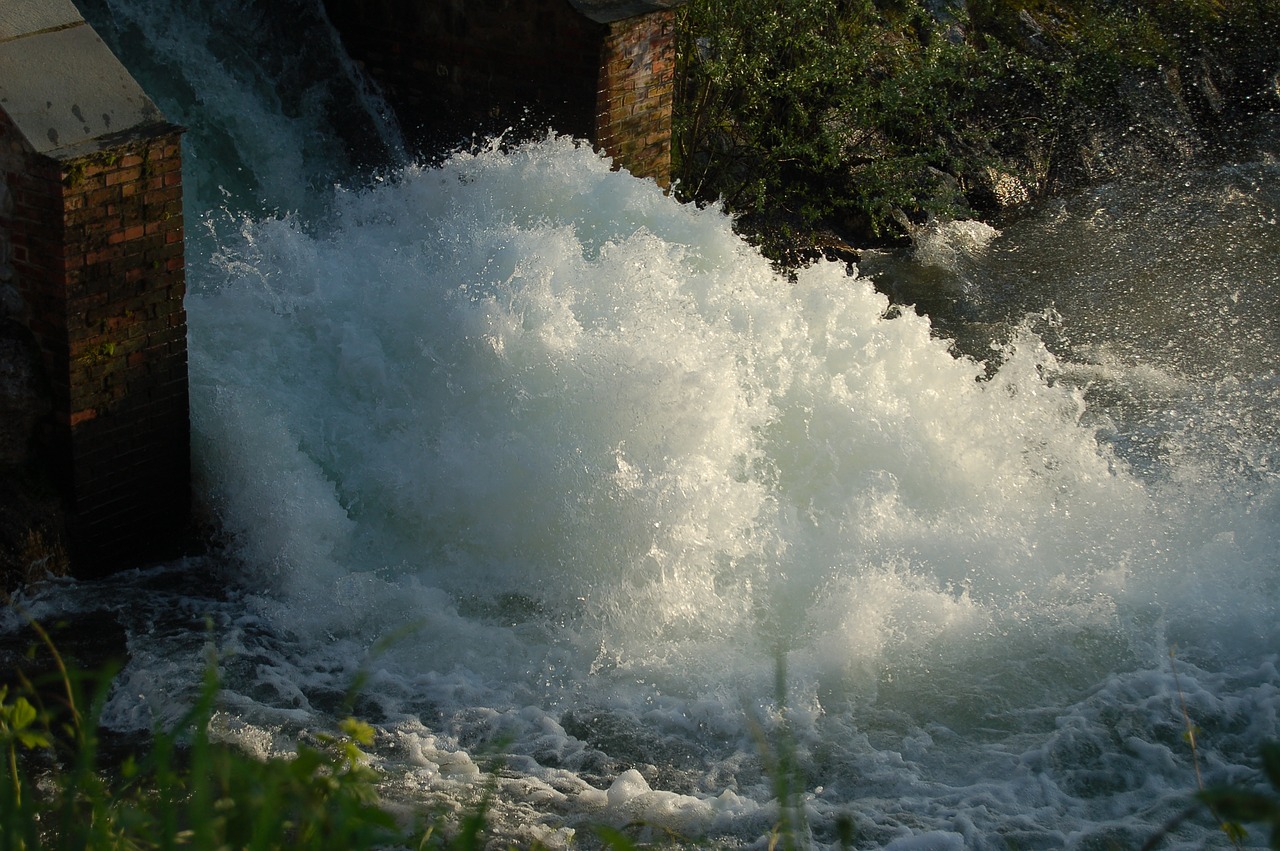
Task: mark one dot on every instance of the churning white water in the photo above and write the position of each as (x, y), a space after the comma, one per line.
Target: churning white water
(598, 505)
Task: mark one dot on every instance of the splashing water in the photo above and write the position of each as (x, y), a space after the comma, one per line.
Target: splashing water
(602, 474)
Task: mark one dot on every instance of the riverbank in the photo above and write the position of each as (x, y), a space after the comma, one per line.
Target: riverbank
(824, 126)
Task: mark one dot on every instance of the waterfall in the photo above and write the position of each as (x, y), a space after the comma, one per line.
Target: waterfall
(601, 473)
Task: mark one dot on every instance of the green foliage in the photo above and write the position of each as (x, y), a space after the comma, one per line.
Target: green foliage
(1235, 806)
(795, 112)
(868, 115)
(17, 727)
(761, 78)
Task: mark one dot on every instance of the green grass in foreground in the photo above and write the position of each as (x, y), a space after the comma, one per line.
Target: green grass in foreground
(186, 792)
(190, 792)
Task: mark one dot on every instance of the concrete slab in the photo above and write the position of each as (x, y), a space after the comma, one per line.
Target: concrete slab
(24, 17)
(608, 11)
(64, 89)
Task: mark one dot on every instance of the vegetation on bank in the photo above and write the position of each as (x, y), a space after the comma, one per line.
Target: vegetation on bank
(853, 120)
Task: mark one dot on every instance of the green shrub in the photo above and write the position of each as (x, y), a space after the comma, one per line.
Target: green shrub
(797, 112)
(866, 116)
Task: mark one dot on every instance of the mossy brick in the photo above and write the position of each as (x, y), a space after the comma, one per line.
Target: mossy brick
(151, 385)
(152, 299)
(87, 345)
(164, 335)
(102, 371)
(159, 195)
(165, 165)
(149, 331)
(104, 255)
(140, 250)
(100, 198)
(75, 201)
(81, 178)
(173, 246)
(122, 175)
(79, 304)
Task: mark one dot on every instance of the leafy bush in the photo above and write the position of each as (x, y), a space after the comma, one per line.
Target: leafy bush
(797, 112)
(867, 116)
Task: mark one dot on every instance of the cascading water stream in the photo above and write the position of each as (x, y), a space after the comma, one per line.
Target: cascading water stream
(601, 471)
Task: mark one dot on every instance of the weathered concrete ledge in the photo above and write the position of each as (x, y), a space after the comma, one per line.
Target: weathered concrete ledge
(91, 264)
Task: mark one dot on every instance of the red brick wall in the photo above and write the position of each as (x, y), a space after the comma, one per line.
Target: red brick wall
(637, 82)
(127, 348)
(98, 257)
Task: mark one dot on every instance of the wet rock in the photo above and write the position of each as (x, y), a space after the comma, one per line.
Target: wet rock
(998, 191)
(33, 535)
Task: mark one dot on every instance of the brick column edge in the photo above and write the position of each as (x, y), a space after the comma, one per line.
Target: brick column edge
(635, 94)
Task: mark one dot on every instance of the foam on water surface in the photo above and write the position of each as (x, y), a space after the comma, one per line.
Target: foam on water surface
(608, 466)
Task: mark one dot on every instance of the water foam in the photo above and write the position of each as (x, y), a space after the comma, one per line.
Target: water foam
(610, 465)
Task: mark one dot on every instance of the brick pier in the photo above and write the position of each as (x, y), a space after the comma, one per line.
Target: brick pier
(91, 232)
(91, 236)
(634, 99)
(601, 70)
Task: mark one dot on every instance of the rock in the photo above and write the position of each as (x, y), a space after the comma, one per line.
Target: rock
(993, 190)
(33, 538)
(33, 535)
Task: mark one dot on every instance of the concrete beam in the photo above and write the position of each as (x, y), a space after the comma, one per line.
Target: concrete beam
(20, 18)
(61, 86)
(608, 11)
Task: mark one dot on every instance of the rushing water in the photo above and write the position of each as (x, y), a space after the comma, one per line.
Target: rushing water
(565, 473)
